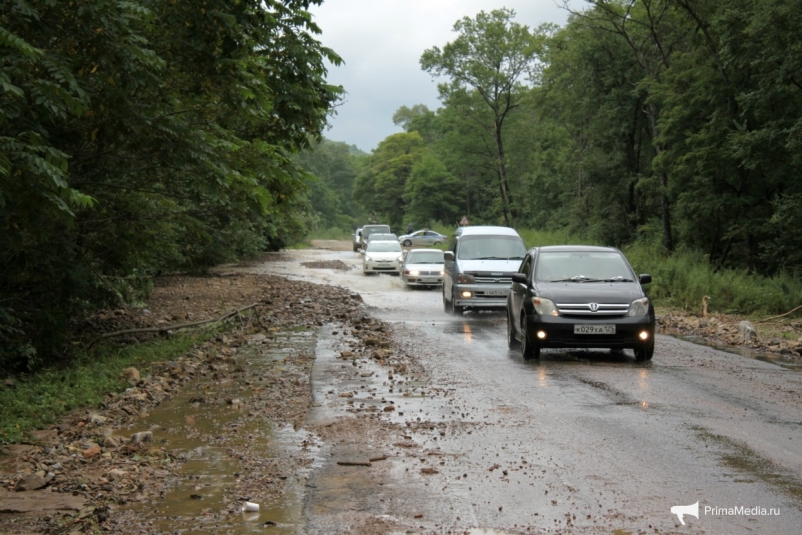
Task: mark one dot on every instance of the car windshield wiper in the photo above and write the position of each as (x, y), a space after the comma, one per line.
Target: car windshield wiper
(498, 258)
(619, 278)
(578, 278)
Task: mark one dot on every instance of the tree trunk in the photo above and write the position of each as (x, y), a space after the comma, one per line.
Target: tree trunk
(509, 213)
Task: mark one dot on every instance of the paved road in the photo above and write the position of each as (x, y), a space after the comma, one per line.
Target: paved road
(582, 441)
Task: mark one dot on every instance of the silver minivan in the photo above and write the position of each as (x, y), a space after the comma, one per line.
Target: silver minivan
(479, 264)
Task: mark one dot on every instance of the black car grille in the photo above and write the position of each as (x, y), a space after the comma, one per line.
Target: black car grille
(587, 309)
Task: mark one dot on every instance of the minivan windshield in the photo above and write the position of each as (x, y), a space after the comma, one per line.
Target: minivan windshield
(425, 257)
(575, 266)
(384, 247)
(487, 247)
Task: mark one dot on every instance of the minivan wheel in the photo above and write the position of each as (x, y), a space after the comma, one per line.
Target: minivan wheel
(457, 309)
(446, 304)
(642, 354)
(512, 341)
(529, 351)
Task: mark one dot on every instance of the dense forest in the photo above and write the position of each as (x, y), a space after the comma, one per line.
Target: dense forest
(140, 138)
(148, 137)
(672, 121)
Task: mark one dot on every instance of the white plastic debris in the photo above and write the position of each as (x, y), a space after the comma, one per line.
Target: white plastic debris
(250, 507)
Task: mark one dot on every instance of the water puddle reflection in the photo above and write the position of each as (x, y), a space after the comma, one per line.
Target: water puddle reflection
(230, 454)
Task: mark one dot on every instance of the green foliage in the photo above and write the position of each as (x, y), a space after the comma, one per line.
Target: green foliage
(145, 138)
(488, 64)
(334, 165)
(41, 398)
(380, 187)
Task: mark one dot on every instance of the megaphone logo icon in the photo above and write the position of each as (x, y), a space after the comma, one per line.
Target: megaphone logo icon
(681, 510)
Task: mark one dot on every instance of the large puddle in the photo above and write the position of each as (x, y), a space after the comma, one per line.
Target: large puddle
(230, 453)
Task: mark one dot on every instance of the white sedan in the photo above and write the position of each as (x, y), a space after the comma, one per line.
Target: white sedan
(423, 267)
(382, 257)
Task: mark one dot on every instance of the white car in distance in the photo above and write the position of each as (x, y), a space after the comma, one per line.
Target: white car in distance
(423, 267)
(382, 257)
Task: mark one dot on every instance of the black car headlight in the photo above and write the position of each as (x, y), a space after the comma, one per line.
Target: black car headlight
(465, 279)
(639, 307)
(544, 307)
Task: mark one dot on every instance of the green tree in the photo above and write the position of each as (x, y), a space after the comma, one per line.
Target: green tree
(493, 55)
(138, 138)
(431, 192)
(380, 187)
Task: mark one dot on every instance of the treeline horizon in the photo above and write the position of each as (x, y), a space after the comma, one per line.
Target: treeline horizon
(676, 123)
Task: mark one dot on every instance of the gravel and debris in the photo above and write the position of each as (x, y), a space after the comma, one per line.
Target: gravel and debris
(100, 469)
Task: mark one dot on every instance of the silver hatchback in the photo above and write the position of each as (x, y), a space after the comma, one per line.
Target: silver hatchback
(423, 267)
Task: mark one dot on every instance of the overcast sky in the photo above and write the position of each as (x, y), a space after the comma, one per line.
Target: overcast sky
(382, 41)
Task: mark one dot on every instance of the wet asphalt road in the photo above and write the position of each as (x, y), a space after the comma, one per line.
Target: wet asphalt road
(584, 441)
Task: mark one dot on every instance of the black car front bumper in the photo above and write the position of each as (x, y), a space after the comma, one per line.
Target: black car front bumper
(559, 332)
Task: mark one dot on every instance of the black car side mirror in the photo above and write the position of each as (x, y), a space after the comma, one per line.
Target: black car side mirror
(644, 278)
(520, 278)
(448, 255)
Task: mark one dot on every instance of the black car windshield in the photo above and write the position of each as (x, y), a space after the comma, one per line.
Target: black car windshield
(576, 266)
(425, 257)
(383, 247)
(488, 247)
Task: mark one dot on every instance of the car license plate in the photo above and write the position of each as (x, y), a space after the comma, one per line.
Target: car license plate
(594, 329)
(499, 293)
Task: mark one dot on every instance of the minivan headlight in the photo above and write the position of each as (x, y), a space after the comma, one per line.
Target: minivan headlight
(544, 307)
(465, 279)
(639, 307)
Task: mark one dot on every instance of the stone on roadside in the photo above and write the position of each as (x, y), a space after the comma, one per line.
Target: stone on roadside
(112, 442)
(142, 437)
(92, 452)
(748, 331)
(132, 375)
(97, 419)
(116, 473)
(30, 482)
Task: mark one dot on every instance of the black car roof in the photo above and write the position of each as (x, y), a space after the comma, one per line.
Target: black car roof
(575, 249)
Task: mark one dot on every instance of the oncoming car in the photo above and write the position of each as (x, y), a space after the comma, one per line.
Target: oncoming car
(579, 296)
(382, 257)
(423, 267)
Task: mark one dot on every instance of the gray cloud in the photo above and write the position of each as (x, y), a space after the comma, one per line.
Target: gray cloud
(381, 42)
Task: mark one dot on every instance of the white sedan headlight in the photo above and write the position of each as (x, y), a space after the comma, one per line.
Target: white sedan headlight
(544, 307)
(639, 307)
(368, 259)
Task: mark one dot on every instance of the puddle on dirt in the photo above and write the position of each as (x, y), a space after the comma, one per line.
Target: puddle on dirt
(201, 426)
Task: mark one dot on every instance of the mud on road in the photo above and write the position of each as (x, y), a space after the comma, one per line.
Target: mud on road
(355, 405)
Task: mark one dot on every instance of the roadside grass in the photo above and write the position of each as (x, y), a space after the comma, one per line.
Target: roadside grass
(680, 280)
(39, 399)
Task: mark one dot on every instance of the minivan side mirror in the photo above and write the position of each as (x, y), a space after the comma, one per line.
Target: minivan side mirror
(519, 278)
(448, 256)
(645, 278)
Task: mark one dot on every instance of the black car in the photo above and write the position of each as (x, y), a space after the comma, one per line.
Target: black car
(571, 296)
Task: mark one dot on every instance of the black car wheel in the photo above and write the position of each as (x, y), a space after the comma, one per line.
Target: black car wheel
(457, 309)
(642, 354)
(512, 341)
(529, 351)
(446, 304)
(407, 243)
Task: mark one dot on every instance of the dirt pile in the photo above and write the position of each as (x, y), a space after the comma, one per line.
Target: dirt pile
(733, 331)
(93, 463)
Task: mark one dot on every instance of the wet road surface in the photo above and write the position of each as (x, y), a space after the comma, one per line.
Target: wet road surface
(577, 442)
